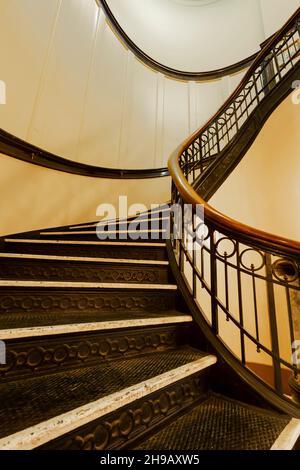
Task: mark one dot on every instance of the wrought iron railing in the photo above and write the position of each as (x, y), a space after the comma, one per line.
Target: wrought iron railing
(245, 282)
(270, 67)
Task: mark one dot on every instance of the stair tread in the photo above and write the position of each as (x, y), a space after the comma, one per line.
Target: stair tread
(219, 423)
(84, 285)
(81, 259)
(45, 319)
(82, 242)
(51, 330)
(34, 400)
(91, 249)
(116, 223)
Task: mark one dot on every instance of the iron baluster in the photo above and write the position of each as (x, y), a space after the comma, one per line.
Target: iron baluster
(213, 284)
(273, 325)
(240, 302)
(255, 307)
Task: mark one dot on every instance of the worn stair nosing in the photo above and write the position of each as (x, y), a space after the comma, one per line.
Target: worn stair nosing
(86, 285)
(129, 218)
(117, 222)
(38, 331)
(46, 431)
(82, 258)
(288, 437)
(102, 232)
(77, 242)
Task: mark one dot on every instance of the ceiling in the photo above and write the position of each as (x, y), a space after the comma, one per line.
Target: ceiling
(178, 34)
(195, 3)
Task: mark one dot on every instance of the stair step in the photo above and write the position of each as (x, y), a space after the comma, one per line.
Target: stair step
(52, 330)
(65, 404)
(84, 285)
(48, 317)
(116, 223)
(82, 259)
(112, 236)
(58, 268)
(47, 349)
(106, 300)
(288, 437)
(219, 423)
(85, 242)
(159, 214)
(134, 251)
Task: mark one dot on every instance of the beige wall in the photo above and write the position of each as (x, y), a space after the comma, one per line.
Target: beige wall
(264, 190)
(33, 197)
(275, 13)
(73, 89)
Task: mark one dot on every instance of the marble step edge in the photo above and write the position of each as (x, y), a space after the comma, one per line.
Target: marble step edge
(122, 220)
(87, 285)
(102, 232)
(77, 242)
(55, 330)
(83, 259)
(113, 223)
(288, 437)
(46, 431)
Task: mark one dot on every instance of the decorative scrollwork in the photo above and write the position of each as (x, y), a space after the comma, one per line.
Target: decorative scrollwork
(97, 273)
(24, 359)
(122, 426)
(285, 270)
(203, 232)
(252, 260)
(226, 248)
(60, 302)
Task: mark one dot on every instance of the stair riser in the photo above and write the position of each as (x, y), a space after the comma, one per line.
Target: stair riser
(115, 303)
(107, 251)
(29, 357)
(52, 270)
(128, 425)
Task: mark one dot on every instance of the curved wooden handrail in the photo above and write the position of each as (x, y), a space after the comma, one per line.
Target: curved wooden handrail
(17, 148)
(228, 224)
(218, 219)
(169, 71)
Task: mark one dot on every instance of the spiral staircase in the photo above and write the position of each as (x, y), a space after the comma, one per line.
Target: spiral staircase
(109, 344)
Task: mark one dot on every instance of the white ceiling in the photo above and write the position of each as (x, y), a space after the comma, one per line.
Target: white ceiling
(195, 3)
(216, 34)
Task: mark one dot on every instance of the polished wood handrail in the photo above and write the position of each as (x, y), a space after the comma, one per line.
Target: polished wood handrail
(17, 148)
(164, 69)
(219, 220)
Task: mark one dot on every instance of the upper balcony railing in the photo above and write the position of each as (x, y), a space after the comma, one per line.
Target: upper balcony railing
(244, 283)
(164, 69)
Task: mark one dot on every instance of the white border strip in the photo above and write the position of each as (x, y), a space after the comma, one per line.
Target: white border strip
(81, 258)
(289, 436)
(75, 242)
(46, 431)
(86, 285)
(38, 331)
(102, 232)
(154, 211)
(107, 223)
